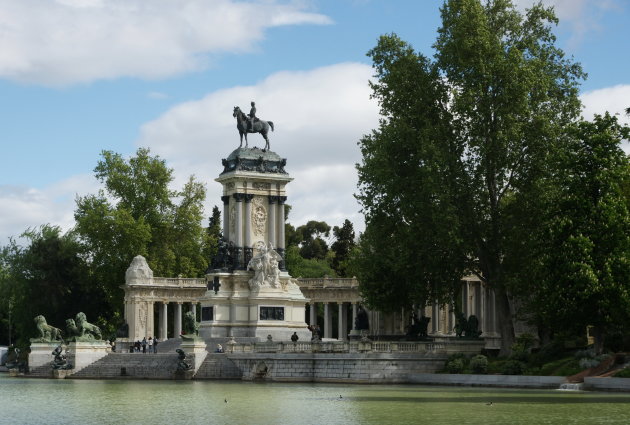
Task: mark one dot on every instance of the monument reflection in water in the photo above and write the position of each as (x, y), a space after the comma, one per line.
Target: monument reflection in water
(77, 402)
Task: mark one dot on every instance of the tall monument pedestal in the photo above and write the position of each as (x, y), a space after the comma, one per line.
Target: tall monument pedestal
(250, 294)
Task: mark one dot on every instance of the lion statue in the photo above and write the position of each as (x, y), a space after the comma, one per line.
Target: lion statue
(87, 329)
(47, 332)
(71, 329)
(191, 327)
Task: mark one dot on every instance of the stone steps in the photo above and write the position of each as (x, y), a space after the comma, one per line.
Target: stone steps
(218, 366)
(44, 371)
(132, 365)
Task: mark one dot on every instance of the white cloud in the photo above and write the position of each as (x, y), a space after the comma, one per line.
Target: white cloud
(62, 42)
(582, 16)
(319, 116)
(26, 207)
(612, 99)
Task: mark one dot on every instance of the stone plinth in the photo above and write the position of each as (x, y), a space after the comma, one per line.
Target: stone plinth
(241, 312)
(196, 353)
(82, 354)
(41, 354)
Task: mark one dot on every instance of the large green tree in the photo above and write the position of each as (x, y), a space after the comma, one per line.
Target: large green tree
(581, 259)
(463, 142)
(47, 275)
(139, 213)
(342, 247)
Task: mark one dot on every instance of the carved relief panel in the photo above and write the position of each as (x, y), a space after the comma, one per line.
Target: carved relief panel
(259, 216)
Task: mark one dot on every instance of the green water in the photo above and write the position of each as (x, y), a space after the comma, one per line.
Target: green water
(69, 402)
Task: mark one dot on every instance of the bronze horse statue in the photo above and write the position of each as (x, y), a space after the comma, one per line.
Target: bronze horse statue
(260, 126)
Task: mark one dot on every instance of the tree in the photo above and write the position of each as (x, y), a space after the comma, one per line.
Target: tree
(312, 243)
(214, 233)
(298, 266)
(464, 139)
(48, 276)
(582, 260)
(139, 214)
(343, 245)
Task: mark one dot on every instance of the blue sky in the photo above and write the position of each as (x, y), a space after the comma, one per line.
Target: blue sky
(81, 76)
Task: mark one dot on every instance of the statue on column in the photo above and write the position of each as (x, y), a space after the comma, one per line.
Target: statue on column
(251, 124)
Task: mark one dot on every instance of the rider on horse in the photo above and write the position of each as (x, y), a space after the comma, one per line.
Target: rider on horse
(252, 117)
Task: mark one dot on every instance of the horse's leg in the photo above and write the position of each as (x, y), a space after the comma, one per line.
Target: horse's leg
(241, 134)
(246, 144)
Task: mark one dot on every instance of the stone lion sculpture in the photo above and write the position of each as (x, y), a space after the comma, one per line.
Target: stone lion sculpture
(191, 327)
(71, 329)
(47, 332)
(87, 329)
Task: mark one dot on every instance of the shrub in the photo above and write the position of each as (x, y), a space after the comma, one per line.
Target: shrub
(513, 367)
(623, 373)
(479, 364)
(455, 366)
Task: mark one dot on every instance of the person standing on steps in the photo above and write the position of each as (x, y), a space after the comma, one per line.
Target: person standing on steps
(144, 345)
(150, 345)
(155, 343)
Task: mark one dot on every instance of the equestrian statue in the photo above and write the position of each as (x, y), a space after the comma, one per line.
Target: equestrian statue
(251, 124)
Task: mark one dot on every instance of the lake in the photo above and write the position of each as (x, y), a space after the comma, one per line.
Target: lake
(70, 402)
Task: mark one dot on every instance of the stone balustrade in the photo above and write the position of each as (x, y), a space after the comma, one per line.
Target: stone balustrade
(442, 347)
(179, 282)
(317, 283)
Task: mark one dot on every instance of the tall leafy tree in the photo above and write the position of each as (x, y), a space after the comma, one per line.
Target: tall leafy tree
(139, 213)
(343, 245)
(48, 275)
(464, 139)
(581, 261)
(312, 243)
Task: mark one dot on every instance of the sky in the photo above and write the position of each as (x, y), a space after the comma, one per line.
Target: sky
(81, 76)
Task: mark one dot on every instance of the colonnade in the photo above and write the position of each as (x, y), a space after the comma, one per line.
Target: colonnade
(238, 222)
(343, 327)
(148, 327)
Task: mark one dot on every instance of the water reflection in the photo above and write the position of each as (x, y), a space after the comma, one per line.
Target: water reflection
(69, 402)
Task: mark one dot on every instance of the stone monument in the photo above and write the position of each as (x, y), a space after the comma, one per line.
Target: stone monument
(250, 294)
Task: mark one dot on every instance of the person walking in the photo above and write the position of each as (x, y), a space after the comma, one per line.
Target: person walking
(144, 345)
(155, 343)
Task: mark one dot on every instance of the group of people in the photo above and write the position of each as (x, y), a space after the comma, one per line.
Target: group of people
(150, 344)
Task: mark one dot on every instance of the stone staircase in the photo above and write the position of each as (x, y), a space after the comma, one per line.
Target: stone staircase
(218, 366)
(43, 371)
(131, 365)
(169, 346)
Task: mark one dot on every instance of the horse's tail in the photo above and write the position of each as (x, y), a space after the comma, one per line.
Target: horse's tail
(270, 125)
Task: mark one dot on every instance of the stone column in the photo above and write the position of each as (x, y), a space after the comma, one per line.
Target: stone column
(493, 303)
(483, 320)
(354, 314)
(164, 321)
(238, 238)
(281, 236)
(343, 322)
(226, 217)
(327, 321)
(272, 219)
(193, 308)
(149, 330)
(248, 220)
(313, 314)
(248, 251)
(177, 328)
(435, 318)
